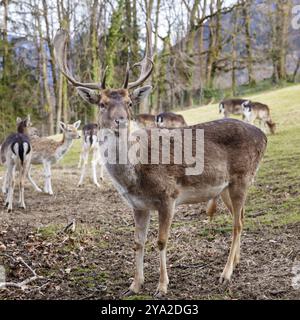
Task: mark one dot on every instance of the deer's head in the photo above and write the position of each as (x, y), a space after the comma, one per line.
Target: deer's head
(70, 131)
(115, 105)
(23, 125)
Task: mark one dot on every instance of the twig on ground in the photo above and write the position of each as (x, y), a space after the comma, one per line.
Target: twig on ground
(23, 284)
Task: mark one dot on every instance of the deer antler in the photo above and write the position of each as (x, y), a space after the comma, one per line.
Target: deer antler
(143, 64)
(60, 53)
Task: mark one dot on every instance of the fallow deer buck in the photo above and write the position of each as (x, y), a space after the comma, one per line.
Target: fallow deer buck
(258, 111)
(90, 143)
(47, 151)
(232, 152)
(16, 156)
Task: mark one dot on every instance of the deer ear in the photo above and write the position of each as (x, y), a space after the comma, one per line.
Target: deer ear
(18, 120)
(28, 122)
(77, 124)
(62, 125)
(140, 94)
(89, 95)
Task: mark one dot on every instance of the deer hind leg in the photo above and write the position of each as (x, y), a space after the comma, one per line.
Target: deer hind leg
(85, 158)
(237, 195)
(21, 187)
(11, 185)
(211, 208)
(227, 200)
(141, 219)
(165, 217)
(4, 185)
(36, 187)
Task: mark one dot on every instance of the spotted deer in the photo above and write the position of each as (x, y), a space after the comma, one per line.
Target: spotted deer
(90, 143)
(232, 152)
(16, 156)
(258, 111)
(47, 151)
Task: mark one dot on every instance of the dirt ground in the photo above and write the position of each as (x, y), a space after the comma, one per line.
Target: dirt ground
(97, 260)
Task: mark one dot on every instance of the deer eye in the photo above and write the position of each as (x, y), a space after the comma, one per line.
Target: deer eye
(102, 106)
(130, 104)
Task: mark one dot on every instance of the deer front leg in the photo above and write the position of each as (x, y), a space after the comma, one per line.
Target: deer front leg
(165, 217)
(47, 173)
(94, 172)
(32, 181)
(141, 218)
(85, 158)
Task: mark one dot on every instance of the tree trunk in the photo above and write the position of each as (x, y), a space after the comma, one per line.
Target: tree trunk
(249, 59)
(48, 106)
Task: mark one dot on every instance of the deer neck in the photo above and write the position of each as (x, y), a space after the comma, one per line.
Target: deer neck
(123, 174)
(63, 146)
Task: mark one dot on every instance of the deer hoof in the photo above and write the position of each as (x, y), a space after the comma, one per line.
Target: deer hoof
(224, 280)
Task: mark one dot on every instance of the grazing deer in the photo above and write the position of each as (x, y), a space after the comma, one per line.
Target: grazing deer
(90, 143)
(231, 106)
(170, 120)
(47, 151)
(16, 156)
(258, 111)
(232, 152)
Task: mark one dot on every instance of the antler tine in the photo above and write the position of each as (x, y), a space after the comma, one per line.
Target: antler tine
(148, 58)
(60, 53)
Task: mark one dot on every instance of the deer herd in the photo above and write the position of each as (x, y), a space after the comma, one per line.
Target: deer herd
(233, 150)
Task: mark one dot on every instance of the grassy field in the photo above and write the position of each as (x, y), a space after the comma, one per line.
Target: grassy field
(276, 195)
